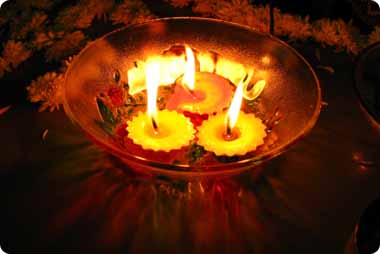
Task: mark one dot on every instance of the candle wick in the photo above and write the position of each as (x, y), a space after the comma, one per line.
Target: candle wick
(228, 130)
(154, 124)
(228, 127)
(189, 90)
(230, 134)
(245, 77)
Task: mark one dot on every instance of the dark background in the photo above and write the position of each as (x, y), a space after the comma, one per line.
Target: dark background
(16, 81)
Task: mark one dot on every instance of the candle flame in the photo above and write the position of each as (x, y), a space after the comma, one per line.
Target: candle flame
(233, 111)
(152, 78)
(189, 76)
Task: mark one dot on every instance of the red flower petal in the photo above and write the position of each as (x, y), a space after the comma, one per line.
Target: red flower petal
(121, 130)
(195, 118)
(116, 95)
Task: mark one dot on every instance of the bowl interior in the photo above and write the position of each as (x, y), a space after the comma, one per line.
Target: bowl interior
(290, 101)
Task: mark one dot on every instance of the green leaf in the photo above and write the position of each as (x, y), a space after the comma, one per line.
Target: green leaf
(106, 113)
(196, 152)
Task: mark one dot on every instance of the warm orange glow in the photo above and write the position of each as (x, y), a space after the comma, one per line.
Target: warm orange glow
(265, 60)
(189, 76)
(230, 70)
(173, 66)
(259, 87)
(233, 111)
(152, 77)
(206, 62)
(136, 79)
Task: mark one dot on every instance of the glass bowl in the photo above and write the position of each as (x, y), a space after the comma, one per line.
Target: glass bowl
(290, 102)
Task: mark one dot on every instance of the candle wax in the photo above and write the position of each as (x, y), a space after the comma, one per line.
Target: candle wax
(174, 131)
(212, 94)
(248, 134)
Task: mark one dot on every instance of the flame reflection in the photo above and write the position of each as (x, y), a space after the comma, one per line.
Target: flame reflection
(186, 61)
(189, 76)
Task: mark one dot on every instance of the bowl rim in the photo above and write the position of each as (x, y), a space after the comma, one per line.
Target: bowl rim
(189, 170)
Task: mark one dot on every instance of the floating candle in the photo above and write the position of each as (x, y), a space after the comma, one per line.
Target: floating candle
(173, 131)
(180, 63)
(163, 130)
(212, 93)
(195, 91)
(234, 132)
(246, 136)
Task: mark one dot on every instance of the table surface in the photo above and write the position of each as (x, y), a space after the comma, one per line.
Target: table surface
(62, 194)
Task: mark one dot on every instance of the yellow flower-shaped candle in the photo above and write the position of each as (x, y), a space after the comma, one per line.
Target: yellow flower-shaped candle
(174, 131)
(159, 130)
(246, 136)
(234, 132)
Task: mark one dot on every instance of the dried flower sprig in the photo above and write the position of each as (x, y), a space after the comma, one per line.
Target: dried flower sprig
(374, 37)
(206, 8)
(35, 24)
(336, 33)
(68, 45)
(294, 27)
(81, 15)
(47, 90)
(14, 53)
(234, 10)
(62, 37)
(179, 3)
(44, 39)
(131, 12)
(36, 4)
